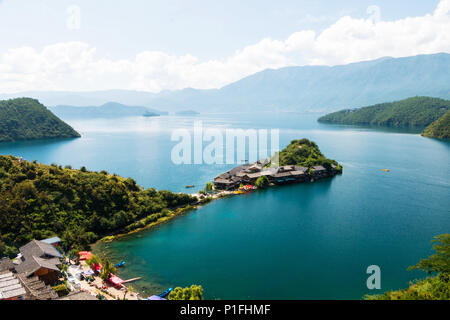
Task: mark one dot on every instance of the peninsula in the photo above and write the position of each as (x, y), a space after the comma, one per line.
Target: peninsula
(300, 161)
(27, 119)
(412, 112)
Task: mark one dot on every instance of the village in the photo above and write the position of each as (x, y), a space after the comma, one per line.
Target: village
(246, 176)
(41, 272)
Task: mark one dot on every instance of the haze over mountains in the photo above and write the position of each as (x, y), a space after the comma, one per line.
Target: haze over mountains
(107, 110)
(303, 89)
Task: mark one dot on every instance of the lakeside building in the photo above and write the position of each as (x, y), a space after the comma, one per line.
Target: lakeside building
(32, 273)
(250, 173)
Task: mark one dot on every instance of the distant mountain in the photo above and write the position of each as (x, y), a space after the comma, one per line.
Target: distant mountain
(27, 119)
(440, 128)
(93, 98)
(107, 110)
(320, 88)
(187, 113)
(302, 89)
(417, 111)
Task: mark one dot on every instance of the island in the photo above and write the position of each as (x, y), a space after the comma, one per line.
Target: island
(27, 119)
(300, 161)
(412, 112)
(439, 129)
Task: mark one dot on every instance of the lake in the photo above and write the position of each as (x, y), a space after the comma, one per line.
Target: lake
(305, 241)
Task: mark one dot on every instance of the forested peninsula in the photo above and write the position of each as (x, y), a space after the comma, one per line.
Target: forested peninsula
(38, 201)
(412, 112)
(27, 119)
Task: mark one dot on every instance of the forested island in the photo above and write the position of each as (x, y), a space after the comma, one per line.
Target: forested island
(412, 112)
(440, 128)
(38, 201)
(27, 119)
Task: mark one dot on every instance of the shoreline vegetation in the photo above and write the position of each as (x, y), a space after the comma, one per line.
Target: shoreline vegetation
(417, 112)
(436, 286)
(84, 208)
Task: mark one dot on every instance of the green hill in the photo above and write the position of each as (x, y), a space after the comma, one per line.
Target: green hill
(27, 119)
(305, 153)
(440, 128)
(412, 112)
(39, 201)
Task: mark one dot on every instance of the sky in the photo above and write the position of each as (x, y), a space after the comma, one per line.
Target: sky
(83, 45)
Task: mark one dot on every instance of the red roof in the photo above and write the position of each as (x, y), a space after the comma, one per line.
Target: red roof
(85, 255)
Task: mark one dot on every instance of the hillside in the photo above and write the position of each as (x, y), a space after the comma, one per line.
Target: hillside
(305, 153)
(412, 112)
(440, 128)
(27, 119)
(107, 110)
(39, 201)
(304, 88)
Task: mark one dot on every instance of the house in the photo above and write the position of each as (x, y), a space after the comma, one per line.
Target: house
(39, 259)
(319, 171)
(10, 287)
(54, 241)
(36, 289)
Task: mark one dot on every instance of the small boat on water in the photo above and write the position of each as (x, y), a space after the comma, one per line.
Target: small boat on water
(190, 186)
(385, 170)
(119, 265)
(165, 293)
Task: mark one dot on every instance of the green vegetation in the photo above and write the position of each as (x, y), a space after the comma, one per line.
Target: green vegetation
(39, 201)
(262, 182)
(27, 119)
(193, 293)
(306, 153)
(412, 112)
(61, 289)
(436, 287)
(440, 128)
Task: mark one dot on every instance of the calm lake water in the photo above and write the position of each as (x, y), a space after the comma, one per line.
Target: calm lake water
(306, 241)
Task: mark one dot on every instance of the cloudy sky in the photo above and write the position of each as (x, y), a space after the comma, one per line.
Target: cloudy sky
(147, 45)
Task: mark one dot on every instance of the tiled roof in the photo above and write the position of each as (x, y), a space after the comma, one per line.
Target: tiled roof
(38, 249)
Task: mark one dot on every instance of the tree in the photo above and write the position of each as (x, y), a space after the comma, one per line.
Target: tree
(209, 187)
(107, 269)
(194, 292)
(262, 182)
(440, 261)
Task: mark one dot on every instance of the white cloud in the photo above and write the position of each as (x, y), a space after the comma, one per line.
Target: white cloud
(76, 65)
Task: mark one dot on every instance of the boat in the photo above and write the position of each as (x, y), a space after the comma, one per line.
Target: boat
(385, 170)
(165, 293)
(190, 186)
(119, 265)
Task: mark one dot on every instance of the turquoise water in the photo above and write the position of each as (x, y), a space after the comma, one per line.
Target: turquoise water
(307, 241)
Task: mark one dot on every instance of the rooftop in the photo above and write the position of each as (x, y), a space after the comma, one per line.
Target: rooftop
(39, 249)
(10, 286)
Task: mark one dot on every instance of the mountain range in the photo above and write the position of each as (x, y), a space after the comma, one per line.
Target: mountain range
(301, 89)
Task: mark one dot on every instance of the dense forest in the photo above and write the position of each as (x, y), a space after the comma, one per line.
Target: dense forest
(27, 119)
(39, 201)
(305, 153)
(412, 112)
(440, 128)
(435, 287)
